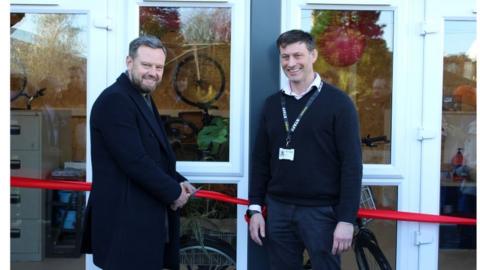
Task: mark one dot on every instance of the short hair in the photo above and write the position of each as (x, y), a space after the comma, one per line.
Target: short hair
(145, 40)
(294, 36)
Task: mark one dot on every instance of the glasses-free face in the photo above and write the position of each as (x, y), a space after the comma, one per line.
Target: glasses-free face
(297, 62)
(146, 69)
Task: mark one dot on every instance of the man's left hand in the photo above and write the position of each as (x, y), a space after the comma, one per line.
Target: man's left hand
(342, 237)
(189, 188)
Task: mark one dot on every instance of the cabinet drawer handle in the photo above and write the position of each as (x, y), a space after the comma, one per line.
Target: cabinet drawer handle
(15, 233)
(15, 164)
(15, 129)
(15, 199)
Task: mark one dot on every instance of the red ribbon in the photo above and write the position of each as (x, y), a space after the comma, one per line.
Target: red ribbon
(80, 185)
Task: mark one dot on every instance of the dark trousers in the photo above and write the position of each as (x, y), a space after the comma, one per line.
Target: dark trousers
(291, 228)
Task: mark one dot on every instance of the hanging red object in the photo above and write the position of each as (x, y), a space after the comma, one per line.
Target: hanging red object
(457, 160)
(341, 46)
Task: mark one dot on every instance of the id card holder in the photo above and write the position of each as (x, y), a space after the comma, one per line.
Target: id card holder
(287, 154)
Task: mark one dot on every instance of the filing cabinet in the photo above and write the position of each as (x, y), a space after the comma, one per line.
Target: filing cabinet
(39, 144)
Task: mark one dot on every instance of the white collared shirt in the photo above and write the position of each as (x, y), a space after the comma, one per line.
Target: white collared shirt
(316, 82)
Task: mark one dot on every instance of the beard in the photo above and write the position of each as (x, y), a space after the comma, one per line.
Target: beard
(137, 82)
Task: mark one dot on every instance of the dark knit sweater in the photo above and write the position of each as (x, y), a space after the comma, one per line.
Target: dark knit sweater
(327, 168)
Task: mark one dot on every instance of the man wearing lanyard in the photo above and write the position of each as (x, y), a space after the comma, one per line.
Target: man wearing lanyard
(307, 165)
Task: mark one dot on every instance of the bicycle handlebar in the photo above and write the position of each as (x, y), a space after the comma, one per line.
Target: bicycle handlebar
(370, 141)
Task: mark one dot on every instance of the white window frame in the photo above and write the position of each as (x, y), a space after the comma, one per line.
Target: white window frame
(291, 12)
(96, 59)
(216, 172)
(403, 171)
(436, 15)
(96, 12)
(125, 15)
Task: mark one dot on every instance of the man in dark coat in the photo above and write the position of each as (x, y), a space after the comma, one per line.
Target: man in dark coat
(131, 220)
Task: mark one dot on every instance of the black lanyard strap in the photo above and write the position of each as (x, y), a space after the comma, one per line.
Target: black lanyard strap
(295, 124)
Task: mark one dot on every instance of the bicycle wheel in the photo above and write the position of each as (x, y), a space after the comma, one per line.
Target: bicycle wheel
(199, 90)
(215, 254)
(368, 254)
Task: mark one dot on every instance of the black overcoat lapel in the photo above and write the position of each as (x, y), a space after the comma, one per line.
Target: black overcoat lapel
(153, 120)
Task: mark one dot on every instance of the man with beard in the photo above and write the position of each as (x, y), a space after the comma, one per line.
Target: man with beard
(132, 219)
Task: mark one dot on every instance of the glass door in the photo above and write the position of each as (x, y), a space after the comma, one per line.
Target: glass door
(201, 104)
(450, 98)
(52, 85)
(458, 195)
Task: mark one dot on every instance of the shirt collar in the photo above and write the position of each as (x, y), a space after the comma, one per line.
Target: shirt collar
(316, 82)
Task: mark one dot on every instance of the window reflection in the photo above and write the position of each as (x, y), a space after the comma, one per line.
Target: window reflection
(193, 97)
(208, 231)
(47, 132)
(355, 53)
(459, 161)
(48, 59)
(385, 231)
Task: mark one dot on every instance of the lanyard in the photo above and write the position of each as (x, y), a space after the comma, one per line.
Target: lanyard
(295, 124)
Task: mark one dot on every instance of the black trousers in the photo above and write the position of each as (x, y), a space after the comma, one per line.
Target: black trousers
(291, 228)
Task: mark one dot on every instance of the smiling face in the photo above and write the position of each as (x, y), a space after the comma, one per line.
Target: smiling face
(297, 62)
(145, 70)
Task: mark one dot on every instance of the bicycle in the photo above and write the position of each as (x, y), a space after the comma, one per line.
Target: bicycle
(216, 253)
(211, 253)
(18, 84)
(374, 141)
(198, 79)
(368, 254)
(183, 137)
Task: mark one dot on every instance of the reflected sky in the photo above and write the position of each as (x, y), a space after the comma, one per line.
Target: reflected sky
(28, 28)
(460, 37)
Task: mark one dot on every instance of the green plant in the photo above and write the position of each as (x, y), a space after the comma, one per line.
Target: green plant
(213, 136)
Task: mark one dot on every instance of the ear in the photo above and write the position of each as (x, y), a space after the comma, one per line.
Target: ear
(314, 55)
(129, 62)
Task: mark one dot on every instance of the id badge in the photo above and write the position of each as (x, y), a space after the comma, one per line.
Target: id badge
(286, 154)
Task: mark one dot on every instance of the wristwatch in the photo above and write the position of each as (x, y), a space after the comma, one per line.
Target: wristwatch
(250, 213)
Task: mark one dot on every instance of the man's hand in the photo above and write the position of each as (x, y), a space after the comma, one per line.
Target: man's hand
(181, 200)
(342, 237)
(256, 226)
(188, 187)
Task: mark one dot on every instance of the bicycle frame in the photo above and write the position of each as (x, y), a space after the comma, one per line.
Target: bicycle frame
(194, 48)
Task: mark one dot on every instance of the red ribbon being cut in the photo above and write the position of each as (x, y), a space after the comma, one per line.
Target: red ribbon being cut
(80, 185)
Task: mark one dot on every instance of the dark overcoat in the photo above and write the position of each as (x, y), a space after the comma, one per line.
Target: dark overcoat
(134, 183)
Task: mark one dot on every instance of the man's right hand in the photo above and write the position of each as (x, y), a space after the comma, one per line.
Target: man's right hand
(181, 200)
(257, 228)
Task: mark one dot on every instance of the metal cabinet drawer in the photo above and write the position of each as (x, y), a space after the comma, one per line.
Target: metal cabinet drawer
(26, 240)
(26, 203)
(24, 131)
(26, 164)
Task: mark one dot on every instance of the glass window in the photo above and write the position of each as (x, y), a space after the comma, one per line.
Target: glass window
(208, 231)
(48, 103)
(356, 54)
(458, 157)
(193, 97)
(385, 231)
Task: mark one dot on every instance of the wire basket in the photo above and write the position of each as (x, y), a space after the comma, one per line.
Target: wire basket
(367, 201)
